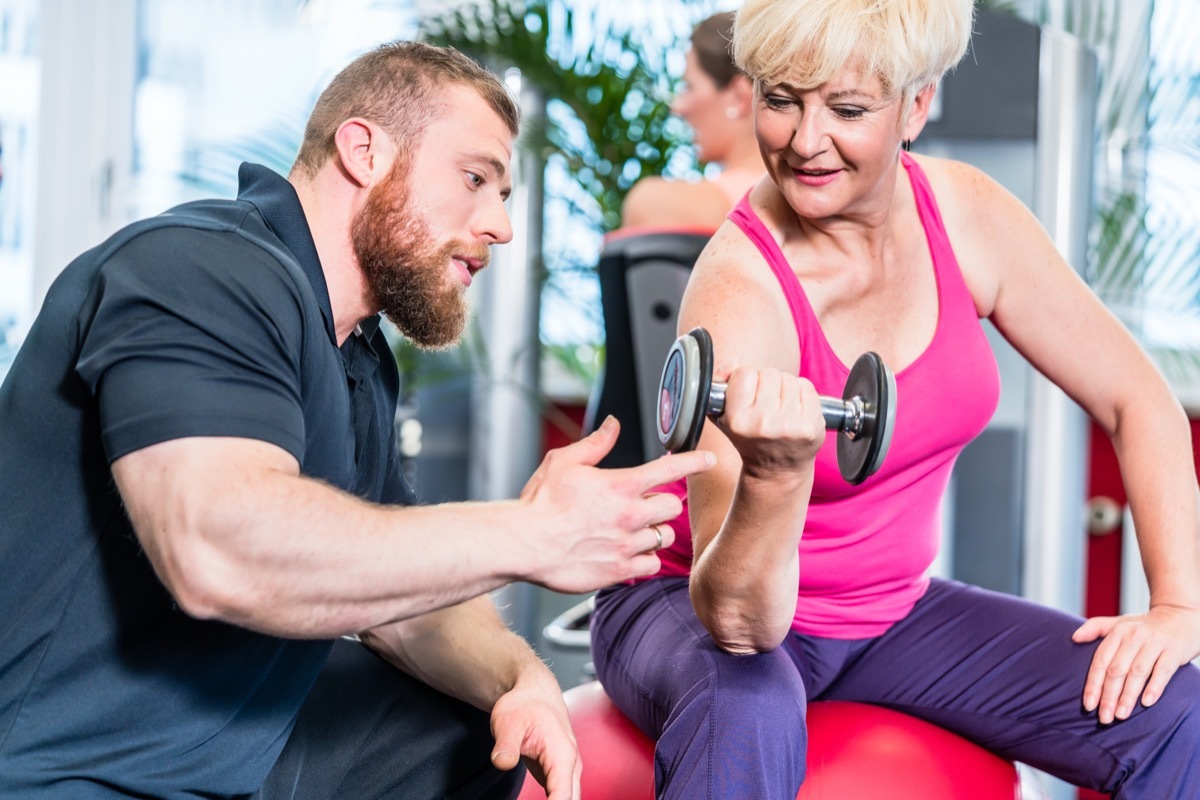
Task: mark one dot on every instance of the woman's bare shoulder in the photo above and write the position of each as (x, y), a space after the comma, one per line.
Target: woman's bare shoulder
(661, 202)
(988, 225)
(964, 192)
(735, 295)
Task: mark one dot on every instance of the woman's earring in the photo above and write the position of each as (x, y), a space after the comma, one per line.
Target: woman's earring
(907, 145)
(731, 112)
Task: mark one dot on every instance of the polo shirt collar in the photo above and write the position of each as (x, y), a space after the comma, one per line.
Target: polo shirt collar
(277, 201)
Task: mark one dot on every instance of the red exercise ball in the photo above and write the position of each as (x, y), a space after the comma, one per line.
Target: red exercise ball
(855, 752)
(863, 752)
(618, 758)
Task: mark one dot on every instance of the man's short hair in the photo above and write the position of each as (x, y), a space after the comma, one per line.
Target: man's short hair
(397, 86)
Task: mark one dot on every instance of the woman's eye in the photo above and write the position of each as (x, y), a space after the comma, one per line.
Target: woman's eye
(778, 103)
(849, 112)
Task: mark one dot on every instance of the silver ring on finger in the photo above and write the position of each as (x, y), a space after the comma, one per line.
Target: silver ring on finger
(658, 533)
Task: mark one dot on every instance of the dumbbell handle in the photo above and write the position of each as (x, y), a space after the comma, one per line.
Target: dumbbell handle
(847, 416)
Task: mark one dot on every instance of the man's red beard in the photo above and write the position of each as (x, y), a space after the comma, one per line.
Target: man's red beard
(407, 272)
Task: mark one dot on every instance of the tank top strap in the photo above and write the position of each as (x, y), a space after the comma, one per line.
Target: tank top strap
(952, 288)
(802, 314)
(956, 305)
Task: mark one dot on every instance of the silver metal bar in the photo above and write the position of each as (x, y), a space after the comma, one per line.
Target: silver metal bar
(839, 414)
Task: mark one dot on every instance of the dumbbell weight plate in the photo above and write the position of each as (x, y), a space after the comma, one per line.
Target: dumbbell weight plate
(683, 391)
(859, 456)
(685, 394)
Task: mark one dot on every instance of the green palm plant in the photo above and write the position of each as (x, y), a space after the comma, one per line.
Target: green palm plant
(608, 119)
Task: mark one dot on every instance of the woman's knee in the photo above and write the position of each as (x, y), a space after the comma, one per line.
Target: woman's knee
(739, 733)
(767, 686)
(1156, 747)
(759, 699)
(1178, 711)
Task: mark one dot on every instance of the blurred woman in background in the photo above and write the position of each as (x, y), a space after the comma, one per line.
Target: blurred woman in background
(717, 102)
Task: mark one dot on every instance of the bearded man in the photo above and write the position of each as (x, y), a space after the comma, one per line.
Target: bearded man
(214, 582)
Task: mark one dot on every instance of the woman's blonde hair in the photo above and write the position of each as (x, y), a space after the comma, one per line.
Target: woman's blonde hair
(908, 44)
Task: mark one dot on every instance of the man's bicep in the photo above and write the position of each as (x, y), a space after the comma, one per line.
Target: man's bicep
(174, 489)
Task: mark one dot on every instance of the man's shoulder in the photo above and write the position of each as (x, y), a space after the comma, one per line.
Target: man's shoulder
(235, 224)
(221, 224)
(216, 264)
(226, 240)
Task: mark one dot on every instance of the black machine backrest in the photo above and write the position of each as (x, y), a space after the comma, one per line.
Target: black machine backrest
(642, 278)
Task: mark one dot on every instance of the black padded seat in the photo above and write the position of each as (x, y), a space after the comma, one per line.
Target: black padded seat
(642, 278)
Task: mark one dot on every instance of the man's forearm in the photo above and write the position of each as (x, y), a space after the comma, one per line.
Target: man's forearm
(465, 651)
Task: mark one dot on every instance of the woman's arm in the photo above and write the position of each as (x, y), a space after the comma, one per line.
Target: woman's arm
(1052, 318)
(747, 514)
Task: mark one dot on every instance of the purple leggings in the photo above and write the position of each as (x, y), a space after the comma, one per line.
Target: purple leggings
(995, 669)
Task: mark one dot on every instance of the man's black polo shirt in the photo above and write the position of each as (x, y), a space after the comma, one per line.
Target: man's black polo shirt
(212, 319)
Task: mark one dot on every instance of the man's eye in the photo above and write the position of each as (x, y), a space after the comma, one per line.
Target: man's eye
(475, 180)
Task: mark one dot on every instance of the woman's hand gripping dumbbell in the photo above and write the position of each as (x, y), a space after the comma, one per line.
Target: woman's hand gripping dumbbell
(865, 416)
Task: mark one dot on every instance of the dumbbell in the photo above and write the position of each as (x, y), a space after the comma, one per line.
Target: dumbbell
(865, 416)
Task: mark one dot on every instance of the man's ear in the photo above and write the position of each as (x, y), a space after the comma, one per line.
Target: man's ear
(918, 113)
(359, 146)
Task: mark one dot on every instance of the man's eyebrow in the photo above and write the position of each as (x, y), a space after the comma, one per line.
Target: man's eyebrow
(496, 164)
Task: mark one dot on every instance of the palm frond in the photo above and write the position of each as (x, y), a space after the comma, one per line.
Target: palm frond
(608, 119)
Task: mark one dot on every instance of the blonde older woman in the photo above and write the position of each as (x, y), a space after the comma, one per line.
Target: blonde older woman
(793, 585)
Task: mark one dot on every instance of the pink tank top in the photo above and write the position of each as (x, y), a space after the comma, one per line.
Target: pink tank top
(866, 549)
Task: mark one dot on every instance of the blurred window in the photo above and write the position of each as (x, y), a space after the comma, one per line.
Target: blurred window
(19, 77)
(226, 81)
